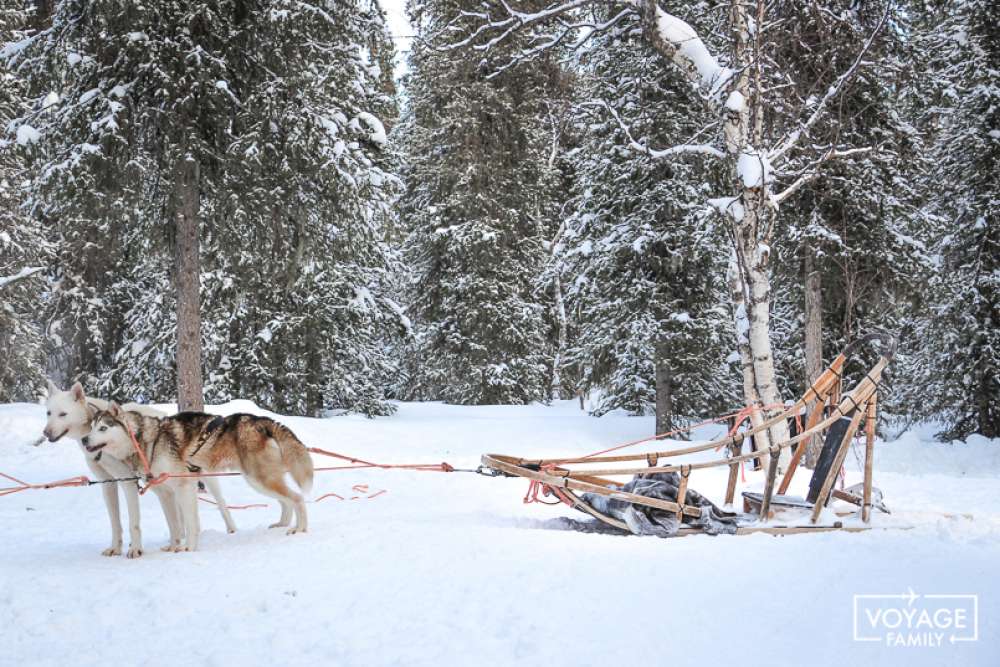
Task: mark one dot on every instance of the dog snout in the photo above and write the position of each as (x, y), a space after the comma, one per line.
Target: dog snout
(86, 440)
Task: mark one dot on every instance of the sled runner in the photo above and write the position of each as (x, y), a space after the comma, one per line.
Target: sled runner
(658, 500)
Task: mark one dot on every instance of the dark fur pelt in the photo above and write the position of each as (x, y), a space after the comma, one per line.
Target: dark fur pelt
(643, 520)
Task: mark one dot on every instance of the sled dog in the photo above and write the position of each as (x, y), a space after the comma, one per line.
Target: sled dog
(69, 414)
(258, 447)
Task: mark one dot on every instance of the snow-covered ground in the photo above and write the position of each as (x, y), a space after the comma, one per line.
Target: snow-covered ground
(452, 569)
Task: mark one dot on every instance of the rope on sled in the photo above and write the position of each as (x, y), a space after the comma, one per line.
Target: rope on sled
(536, 487)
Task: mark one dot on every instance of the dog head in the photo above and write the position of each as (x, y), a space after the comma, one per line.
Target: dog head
(109, 432)
(67, 413)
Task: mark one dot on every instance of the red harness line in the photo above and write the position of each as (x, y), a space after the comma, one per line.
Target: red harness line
(24, 486)
(357, 464)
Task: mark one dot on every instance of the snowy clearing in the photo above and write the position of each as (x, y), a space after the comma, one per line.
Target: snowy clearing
(447, 569)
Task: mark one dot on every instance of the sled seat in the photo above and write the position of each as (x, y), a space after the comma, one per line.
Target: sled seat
(752, 501)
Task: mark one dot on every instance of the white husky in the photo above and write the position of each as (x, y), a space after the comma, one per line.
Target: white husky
(69, 414)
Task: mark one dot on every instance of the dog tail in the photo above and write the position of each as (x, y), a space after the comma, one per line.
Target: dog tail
(295, 457)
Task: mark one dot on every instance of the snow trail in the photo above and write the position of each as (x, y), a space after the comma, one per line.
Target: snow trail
(447, 569)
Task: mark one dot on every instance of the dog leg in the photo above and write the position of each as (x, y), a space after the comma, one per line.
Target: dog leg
(289, 499)
(110, 492)
(135, 532)
(213, 486)
(286, 510)
(286, 514)
(187, 500)
(111, 504)
(301, 520)
(169, 505)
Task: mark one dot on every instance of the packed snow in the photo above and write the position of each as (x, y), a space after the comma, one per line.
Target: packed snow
(736, 102)
(754, 169)
(26, 134)
(692, 51)
(453, 569)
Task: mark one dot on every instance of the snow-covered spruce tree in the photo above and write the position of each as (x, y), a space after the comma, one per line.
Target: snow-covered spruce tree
(298, 313)
(643, 274)
(853, 260)
(22, 249)
(137, 106)
(475, 203)
(261, 122)
(754, 136)
(955, 370)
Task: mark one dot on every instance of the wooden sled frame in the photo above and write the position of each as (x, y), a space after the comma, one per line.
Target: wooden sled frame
(826, 404)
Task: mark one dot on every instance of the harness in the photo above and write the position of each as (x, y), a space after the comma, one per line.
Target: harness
(203, 438)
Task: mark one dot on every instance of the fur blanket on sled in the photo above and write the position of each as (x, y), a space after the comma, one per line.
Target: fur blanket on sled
(642, 520)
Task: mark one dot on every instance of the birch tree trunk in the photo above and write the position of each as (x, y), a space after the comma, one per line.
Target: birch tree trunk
(187, 278)
(743, 128)
(813, 342)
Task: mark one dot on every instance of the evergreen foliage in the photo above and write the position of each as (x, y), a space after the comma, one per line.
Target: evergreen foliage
(955, 372)
(22, 244)
(477, 208)
(641, 251)
(278, 103)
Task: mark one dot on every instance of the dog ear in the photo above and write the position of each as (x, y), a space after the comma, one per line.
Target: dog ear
(77, 390)
(53, 389)
(115, 410)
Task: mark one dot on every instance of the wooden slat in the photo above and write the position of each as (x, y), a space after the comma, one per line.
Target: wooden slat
(853, 401)
(682, 492)
(734, 471)
(814, 416)
(514, 467)
(772, 473)
(870, 421)
(728, 440)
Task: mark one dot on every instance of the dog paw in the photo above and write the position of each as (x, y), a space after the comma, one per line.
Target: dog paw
(278, 525)
(112, 551)
(134, 552)
(230, 530)
(295, 531)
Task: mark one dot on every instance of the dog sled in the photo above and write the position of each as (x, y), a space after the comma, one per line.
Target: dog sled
(660, 495)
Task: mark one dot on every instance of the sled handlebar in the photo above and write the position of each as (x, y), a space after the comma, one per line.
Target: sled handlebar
(887, 344)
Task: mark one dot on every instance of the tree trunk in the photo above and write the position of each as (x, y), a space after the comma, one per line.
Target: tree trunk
(743, 128)
(556, 391)
(664, 391)
(742, 322)
(187, 278)
(749, 214)
(43, 10)
(814, 342)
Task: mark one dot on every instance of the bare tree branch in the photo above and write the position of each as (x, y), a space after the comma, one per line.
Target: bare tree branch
(27, 272)
(678, 42)
(790, 141)
(506, 26)
(813, 171)
(680, 149)
(672, 37)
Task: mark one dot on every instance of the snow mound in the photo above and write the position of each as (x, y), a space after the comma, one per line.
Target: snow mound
(26, 134)
(754, 169)
(912, 454)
